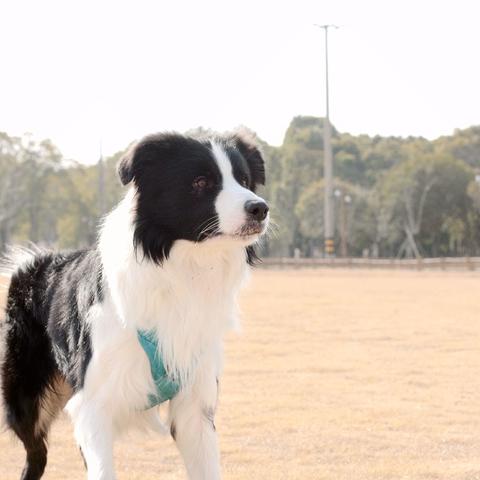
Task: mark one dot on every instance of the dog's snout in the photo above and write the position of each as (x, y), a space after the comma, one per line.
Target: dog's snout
(256, 209)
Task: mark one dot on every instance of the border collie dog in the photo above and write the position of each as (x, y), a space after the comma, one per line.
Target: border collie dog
(80, 327)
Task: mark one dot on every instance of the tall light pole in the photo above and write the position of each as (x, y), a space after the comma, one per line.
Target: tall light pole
(329, 222)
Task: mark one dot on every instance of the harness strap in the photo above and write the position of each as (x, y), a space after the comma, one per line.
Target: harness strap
(166, 388)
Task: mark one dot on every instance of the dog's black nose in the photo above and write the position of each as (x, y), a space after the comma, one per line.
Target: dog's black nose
(256, 209)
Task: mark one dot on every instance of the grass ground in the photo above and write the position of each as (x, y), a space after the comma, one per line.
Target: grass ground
(337, 375)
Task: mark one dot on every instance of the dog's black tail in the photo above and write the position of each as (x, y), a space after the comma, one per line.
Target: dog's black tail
(28, 373)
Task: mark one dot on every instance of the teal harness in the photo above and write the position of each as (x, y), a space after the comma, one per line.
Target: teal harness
(166, 387)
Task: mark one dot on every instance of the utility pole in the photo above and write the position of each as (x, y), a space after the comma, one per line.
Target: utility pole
(329, 221)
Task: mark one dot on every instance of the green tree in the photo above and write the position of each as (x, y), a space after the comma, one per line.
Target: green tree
(424, 199)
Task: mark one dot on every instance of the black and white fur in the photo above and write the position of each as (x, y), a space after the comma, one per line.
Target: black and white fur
(170, 257)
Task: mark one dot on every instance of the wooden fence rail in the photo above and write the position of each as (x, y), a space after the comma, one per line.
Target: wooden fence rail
(443, 263)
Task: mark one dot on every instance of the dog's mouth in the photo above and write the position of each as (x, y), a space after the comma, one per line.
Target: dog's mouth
(251, 228)
(248, 231)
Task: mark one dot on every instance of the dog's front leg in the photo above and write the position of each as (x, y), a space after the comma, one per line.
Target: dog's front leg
(94, 434)
(192, 426)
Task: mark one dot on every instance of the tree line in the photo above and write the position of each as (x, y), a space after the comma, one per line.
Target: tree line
(394, 197)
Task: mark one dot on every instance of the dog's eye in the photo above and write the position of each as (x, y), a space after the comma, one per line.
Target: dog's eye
(244, 182)
(201, 183)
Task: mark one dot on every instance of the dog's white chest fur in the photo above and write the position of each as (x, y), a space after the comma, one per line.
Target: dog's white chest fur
(190, 300)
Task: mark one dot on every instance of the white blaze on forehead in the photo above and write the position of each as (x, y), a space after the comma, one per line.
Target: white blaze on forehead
(230, 202)
(224, 163)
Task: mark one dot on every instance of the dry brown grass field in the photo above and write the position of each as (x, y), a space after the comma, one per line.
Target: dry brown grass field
(337, 375)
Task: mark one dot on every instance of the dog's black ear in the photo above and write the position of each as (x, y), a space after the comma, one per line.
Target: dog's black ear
(125, 165)
(147, 151)
(252, 154)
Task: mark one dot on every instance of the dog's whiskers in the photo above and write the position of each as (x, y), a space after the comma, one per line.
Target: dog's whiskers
(272, 230)
(212, 228)
(209, 219)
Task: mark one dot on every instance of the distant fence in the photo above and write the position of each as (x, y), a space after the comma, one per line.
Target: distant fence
(444, 263)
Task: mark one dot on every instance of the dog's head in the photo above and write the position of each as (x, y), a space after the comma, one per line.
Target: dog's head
(195, 189)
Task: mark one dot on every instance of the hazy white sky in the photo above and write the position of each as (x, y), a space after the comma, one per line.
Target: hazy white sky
(76, 72)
